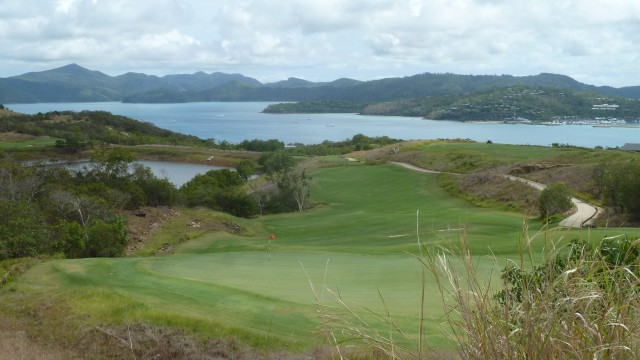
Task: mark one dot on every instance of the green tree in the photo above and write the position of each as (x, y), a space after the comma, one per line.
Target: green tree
(23, 231)
(554, 199)
(237, 202)
(261, 145)
(71, 144)
(204, 189)
(275, 163)
(621, 186)
(245, 169)
(157, 191)
(111, 162)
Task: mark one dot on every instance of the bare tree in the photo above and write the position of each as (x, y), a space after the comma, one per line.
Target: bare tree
(19, 184)
(260, 196)
(72, 207)
(297, 186)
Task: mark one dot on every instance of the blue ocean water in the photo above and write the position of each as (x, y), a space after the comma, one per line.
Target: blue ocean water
(237, 121)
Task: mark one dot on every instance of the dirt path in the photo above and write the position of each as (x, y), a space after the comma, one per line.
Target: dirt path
(584, 215)
(412, 167)
(585, 212)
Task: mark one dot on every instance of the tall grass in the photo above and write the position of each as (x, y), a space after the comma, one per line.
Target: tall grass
(342, 325)
(579, 300)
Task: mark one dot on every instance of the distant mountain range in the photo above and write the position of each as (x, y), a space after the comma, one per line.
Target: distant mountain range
(74, 83)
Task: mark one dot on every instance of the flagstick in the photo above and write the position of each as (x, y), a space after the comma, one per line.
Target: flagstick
(271, 238)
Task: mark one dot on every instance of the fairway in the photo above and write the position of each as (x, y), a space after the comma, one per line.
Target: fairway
(27, 144)
(358, 241)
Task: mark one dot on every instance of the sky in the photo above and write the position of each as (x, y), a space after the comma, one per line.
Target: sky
(594, 41)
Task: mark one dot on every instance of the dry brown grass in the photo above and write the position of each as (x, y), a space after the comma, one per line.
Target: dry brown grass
(5, 112)
(15, 344)
(486, 189)
(576, 177)
(191, 154)
(50, 338)
(387, 153)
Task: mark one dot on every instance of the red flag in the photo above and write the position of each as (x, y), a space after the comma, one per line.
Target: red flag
(272, 237)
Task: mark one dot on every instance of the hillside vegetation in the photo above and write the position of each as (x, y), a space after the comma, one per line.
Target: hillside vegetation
(80, 129)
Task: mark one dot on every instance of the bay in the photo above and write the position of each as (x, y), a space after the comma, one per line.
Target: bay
(237, 121)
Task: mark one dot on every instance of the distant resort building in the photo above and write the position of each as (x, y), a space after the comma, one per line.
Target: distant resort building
(631, 147)
(605, 107)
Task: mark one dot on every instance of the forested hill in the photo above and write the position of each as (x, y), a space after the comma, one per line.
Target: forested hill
(516, 102)
(510, 103)
(416, 86)
(77, 130)
(73, 83)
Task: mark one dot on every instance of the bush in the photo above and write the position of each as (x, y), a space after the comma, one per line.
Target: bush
(554, 199)
(69, 238)
(203, 189)
(236, 202)
(22, 230)
(106, 239)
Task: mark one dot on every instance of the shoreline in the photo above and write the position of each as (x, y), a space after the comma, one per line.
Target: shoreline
(485, 122)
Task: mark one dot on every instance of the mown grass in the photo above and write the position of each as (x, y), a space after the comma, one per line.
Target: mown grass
(30, 144)
(359, 243)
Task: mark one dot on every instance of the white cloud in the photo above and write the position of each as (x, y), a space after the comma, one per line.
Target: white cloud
(383, 44)
(66, 6)
(595, 40)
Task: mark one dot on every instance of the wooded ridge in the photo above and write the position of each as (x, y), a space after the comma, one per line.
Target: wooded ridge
(73, 83)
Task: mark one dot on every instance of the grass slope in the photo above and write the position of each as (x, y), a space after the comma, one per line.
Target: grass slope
(356, 242)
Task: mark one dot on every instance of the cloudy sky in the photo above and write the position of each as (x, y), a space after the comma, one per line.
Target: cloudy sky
(594, 41)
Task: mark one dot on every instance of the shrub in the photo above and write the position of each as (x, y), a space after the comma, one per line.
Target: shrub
(106, 239)
(554, 199)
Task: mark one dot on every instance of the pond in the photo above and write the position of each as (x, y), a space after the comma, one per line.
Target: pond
(177, 173)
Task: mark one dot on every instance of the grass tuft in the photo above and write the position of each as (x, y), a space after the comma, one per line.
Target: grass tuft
(577, 303)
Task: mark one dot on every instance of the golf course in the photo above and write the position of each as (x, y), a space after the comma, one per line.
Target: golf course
(354, 254)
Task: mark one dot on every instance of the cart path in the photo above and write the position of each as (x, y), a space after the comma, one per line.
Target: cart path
(584, 215)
